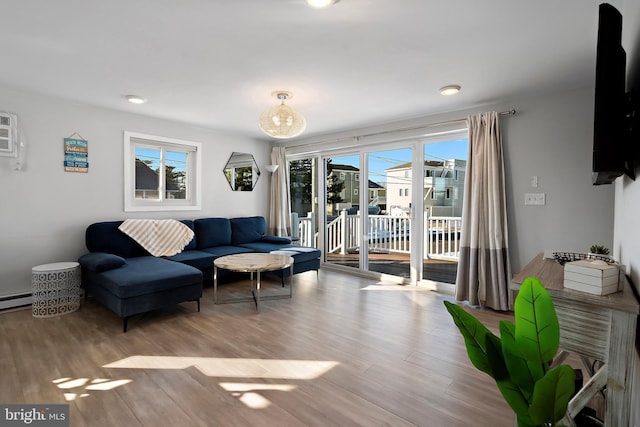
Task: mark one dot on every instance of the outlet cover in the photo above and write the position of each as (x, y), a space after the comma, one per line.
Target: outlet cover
(534, 199)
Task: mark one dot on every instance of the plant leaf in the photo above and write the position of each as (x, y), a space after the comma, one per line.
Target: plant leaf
(537, 332)
(510, 391)
(496, 358)
(525, 422)
(474, 333)
(551, 395)
(523, 373)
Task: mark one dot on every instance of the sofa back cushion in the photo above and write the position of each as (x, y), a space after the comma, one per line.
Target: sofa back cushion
(105, 237)
(212, 232)
(193, 243)
(247, 229)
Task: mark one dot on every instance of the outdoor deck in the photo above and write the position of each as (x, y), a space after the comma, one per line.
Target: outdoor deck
(397, 264)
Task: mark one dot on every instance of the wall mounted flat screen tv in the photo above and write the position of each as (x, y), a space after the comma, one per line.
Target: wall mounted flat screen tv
(612, 156)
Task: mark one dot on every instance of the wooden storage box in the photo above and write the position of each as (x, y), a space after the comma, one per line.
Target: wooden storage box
(592, 277)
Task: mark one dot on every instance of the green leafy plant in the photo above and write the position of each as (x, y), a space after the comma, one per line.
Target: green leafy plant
(599, 249)
(520, 360)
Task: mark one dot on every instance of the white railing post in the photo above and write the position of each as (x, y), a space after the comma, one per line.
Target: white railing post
(343, 232)
(311, 230)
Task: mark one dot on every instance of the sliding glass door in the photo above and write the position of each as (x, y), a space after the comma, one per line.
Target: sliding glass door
(395, 211)
(443, 190)
(304, 201)
(388, 223)
(343, 232)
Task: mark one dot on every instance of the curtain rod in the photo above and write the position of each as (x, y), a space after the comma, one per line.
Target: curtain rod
(511, 112)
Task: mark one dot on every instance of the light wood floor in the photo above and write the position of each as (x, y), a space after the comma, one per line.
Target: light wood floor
(344, 351)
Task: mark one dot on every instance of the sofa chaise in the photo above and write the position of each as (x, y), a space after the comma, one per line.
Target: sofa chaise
(121, 275)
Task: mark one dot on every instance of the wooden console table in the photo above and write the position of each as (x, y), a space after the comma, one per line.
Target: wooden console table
(595, 327)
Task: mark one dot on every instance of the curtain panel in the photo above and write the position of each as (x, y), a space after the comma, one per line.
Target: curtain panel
(484, 269)
(280, 200)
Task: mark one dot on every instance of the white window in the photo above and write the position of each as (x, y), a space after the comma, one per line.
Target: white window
(357, 177)
(342, 176)
(355, 191)
(161, 174)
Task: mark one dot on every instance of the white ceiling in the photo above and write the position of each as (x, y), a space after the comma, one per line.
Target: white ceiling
(215, 63)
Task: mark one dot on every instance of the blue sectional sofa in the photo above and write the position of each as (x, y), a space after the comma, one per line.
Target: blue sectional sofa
(125, 278)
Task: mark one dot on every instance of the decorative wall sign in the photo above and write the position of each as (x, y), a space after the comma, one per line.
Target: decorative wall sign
(76, 152)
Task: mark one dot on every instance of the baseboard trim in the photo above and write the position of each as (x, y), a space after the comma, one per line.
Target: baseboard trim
(16, 300)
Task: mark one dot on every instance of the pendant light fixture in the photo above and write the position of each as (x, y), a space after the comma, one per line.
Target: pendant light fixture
(282, 121)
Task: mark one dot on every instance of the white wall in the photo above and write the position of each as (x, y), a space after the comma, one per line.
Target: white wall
(45, 210)
(552, 138)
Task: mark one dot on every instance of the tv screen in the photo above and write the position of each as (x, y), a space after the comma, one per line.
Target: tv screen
(609, 135)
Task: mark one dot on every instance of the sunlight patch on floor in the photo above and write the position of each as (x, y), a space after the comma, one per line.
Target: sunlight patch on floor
(231, 367)
(101, 384)
(247, 392)
(413, 293)
(396, 288)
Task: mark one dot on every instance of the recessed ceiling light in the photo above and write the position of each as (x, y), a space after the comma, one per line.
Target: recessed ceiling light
(450, 90)
(319, 4)
(135, 99)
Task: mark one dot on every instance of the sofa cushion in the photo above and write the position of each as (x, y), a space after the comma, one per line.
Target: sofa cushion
(147, 275)
(247, 229)
(219, 251)
(198, 259)
(105, 237)
(299, 253)
(101, 261)
(212, 232)
(276, 239)
(193, 243)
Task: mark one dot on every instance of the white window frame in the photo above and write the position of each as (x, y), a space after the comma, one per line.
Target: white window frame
(193, 200)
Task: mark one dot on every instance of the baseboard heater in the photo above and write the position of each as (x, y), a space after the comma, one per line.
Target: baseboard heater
(16, 300)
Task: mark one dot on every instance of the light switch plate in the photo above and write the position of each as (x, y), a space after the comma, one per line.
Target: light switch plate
(534, 199)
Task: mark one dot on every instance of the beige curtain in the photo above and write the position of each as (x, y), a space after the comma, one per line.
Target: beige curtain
(484, 270)
(280, 203)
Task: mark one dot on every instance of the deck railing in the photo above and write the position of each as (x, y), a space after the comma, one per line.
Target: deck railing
(442, 237)
(387, 233)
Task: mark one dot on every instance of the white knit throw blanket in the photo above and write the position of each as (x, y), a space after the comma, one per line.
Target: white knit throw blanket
(160, 237)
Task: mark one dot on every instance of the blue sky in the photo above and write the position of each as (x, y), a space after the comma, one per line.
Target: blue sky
(381, 160)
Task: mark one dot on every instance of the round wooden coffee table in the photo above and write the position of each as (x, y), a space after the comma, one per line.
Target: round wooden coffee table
(252, 263)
